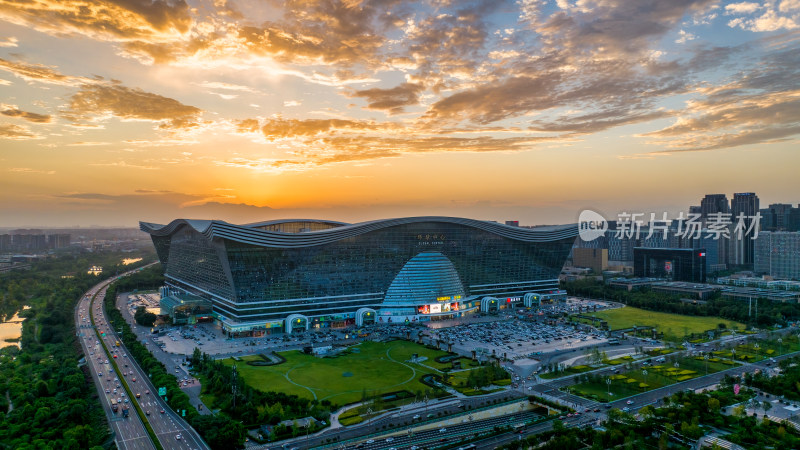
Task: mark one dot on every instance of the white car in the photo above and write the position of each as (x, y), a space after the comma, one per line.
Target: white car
(629, 402)
(442, 430)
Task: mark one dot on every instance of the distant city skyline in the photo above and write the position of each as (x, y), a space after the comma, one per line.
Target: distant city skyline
(530, 111)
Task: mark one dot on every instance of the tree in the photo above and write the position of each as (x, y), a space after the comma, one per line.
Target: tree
(767, 406)
(144, 318)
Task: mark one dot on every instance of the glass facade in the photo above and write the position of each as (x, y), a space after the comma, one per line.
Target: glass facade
(675, 264)
(251, 282)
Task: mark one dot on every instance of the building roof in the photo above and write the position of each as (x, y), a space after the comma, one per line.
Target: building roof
(248, 234)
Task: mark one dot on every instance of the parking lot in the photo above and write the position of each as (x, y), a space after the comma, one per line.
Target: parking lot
(519, 334)
(516, 339)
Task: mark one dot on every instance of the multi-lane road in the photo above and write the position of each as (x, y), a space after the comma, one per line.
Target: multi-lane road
(129, 433)
(170, 429)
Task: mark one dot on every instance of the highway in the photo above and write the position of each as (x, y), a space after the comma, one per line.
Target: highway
(170, 429)
(129, 433)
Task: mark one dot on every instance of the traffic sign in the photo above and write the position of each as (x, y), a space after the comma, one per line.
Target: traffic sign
(162, 391)
(183, 413)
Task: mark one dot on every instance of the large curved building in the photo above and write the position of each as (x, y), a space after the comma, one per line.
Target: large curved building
(284, 275)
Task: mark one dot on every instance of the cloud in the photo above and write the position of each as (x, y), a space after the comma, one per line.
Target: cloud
(393, 100)
(40, 73)
(684, 37)
(102, 19)
(9, 42)
(760, 106)
(742, 8)
(12, 111)
(95, 101)
(785, 17)
(288, 128)
(324, 151)
(227, 86)
(289, 103)
(33, 171)
(17, 132)
(319, 31)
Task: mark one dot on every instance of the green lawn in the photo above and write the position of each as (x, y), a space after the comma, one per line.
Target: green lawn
(374, 367)
(674, 326)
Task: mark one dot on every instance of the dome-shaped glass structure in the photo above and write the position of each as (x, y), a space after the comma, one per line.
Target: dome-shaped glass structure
(423, 279)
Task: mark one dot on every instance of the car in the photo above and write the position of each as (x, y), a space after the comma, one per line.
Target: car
(629, 402)
(178, 437)
(162, 411)
(147, 413)
(107, 392)
(371, 441)
(416, 416)
(99, 374)
(389, 439)
(134, 379)
(147, 392)
(138, 395)
(597, 410)
(442, 430)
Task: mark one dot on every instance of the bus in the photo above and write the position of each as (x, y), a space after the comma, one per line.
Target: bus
(613, 342)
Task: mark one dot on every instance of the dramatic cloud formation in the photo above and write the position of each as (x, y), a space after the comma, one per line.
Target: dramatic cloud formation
(93, 101)
(269, 98)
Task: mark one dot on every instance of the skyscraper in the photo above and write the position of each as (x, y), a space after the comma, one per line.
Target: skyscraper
(744, 204)
(714, 203)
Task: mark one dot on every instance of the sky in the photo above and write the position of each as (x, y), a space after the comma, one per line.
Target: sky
(117, 111)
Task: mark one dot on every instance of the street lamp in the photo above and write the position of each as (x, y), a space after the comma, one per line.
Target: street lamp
(780, 344)
(757, 347)
(608, 389)
(644, 372)
(705, 358)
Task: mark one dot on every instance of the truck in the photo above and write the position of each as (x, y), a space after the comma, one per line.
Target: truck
(124, 411)
(114, 406)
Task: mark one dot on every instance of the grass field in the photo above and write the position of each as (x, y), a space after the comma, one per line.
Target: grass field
(374, 367)
(674, 326)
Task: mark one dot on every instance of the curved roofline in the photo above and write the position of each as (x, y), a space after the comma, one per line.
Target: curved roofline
(280, 221)
(247, 235)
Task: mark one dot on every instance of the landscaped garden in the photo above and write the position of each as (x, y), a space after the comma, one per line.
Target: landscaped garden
(636, 381)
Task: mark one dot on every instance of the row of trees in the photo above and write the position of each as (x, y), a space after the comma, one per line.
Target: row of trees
(486, 375)
(769, 313)
(221, 432)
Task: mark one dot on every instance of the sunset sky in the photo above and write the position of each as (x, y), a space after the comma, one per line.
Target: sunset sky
(124, 110)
